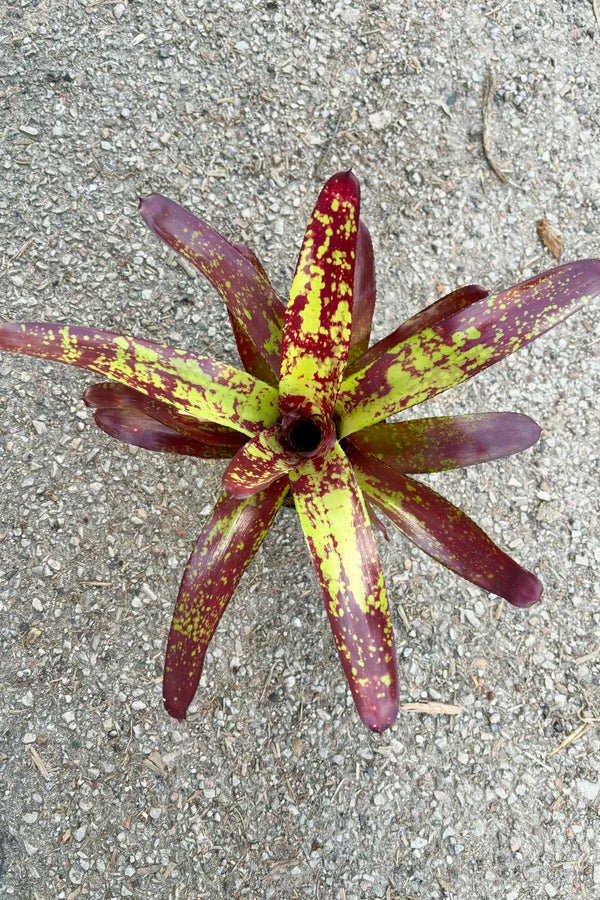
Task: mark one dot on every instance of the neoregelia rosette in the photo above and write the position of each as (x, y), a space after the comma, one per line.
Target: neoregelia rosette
(309, 415)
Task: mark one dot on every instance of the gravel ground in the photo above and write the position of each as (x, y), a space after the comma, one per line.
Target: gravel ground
(272, 788)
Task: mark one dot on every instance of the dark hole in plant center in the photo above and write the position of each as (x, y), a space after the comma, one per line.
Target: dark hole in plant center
(304, 436)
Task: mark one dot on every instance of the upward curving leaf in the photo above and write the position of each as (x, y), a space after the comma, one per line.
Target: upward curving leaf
(194, 384)
(317, 326)
(449, 351)
(241, 283)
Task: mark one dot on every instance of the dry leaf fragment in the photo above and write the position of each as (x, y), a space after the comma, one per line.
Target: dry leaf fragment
(433, 708)
(549, 238)
(156, 764)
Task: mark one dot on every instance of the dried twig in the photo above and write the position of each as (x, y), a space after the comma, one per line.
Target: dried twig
(596, 9)
(39, 763)
(433, 708)
(489, 86)
(586, 724)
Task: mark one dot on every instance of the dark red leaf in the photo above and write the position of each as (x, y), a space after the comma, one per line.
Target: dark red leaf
(134, 427)
(443, 531)
(243, 286)
(447, 442)
(219, 441)
(364, 293)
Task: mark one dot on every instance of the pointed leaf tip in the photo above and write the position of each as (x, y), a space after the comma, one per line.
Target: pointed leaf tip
(227, 543)
(336, 525)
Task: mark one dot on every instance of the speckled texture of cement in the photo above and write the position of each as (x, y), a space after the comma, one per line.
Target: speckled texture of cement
(273, 789)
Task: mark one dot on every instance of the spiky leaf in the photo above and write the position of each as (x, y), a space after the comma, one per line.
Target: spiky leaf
(317, 326)
(194, 384)
(228, 541)
(443, 531)
(449, 351)
(340, 540)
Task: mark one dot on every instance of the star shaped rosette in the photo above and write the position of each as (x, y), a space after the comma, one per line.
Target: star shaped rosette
(311, 419)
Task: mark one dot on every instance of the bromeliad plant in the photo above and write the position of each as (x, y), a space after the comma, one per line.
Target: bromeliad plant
(310, 414)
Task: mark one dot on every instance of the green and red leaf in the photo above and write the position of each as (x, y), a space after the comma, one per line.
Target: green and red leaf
(194, 384)
(431, 315)
(261, 461)
(452, 349)
(227, 543)
(340, 540)
(241, 283)
(447, 442)
(443, 531)
(318, 317)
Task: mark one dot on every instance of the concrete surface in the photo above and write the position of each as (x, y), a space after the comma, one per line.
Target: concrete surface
(273, 789)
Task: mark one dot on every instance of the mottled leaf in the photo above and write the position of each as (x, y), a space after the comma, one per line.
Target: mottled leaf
(260, 462)
(436, 312)
(197, 385)
(243, 286)
(219, 442)
(336, 526)
(251, 256)
(251, 359)
(317, 325)
(449, 351)
(228, 541)
(443, 531)
(447, 442)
